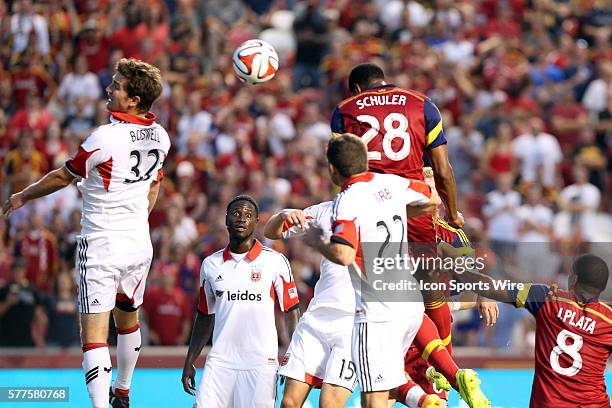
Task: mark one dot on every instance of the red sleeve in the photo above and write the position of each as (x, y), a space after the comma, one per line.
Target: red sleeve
(345, 232)
(290, 295)
(160, 175)
(420, 187)
(78, 164)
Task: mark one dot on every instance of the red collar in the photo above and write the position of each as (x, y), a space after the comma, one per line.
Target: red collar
(251, 255)
(367, 176)
(148, 119)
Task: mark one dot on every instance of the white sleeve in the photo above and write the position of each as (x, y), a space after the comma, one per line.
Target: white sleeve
(291, 230)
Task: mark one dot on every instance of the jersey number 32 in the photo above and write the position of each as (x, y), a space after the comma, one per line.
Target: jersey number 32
(148, 168)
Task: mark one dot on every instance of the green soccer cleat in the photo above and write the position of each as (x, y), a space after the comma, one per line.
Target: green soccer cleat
(469, 389)
(438, 380)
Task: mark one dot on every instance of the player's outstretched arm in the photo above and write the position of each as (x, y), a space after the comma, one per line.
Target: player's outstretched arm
(445, 182)
(202, 329)
(50, 183)
(274, 226)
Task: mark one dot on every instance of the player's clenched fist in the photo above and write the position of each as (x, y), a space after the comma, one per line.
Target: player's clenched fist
(457, 221)
(294, 217)
(188, 379)
(14, 202)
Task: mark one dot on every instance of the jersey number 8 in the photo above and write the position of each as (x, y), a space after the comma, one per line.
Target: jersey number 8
(571, 350)
(391, 133)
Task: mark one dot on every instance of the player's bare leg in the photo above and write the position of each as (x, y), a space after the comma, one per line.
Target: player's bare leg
(128, 349)
(96, 357)
(375, 399)
(295, 393)
(333, 396)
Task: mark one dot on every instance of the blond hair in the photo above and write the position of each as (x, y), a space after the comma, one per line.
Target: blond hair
(142, 80)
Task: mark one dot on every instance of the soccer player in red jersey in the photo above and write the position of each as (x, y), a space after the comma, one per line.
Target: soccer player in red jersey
(398, 127)
(573, 333)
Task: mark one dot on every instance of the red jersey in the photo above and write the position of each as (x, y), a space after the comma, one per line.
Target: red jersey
(573, 343)
(396, 124)
(167, 312)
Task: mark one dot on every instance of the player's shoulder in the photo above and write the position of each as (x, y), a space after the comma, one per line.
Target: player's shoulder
(212, 260)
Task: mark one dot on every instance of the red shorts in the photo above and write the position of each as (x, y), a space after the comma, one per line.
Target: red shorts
(422, 236)
(416, 368)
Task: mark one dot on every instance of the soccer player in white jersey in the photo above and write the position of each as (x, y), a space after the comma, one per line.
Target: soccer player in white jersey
(371, 209)
(119, 168)
(239, 286)
(319, 354)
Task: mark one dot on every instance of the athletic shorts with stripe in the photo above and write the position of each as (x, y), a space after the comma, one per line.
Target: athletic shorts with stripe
(379, 349)
(112, 270)
(224, 387)
(320, 350)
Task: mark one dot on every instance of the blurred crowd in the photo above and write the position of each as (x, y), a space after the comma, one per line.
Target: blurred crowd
(523, 87)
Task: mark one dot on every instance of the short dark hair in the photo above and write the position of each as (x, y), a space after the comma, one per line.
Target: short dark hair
(363, 75)
(591, 272)
(142, 80)
(348, 154)
(243, 197)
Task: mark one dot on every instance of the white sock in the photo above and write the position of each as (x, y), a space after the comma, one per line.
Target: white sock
(413, 396)
(128, 349)
(97, 368)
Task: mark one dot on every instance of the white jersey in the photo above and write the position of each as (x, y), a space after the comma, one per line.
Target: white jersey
(333, 289)
(241, 292)
(369, 214)
(117, 164)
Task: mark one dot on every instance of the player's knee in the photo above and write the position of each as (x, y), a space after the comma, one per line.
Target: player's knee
(290, 401)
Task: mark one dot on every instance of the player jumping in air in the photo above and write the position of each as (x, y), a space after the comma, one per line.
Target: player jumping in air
(319, 354)
(119, 167)
(239, 286)
(573, 333)
(399, 127)
(371, 210)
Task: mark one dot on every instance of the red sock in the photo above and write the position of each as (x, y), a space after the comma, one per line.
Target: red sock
(440, 314)
(433, 351)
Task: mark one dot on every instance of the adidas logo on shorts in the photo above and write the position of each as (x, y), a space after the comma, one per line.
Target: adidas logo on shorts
(378, 379)
(95, 302)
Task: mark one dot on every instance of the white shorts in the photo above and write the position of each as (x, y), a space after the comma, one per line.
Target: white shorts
(320, 350)
(378, 352)
(112, 270)
(223, 387)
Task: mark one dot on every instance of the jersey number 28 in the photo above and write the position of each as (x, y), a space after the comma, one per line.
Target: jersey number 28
(571, 350)
(394, 125)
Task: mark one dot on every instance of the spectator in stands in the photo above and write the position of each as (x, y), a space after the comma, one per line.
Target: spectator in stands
(23, 321)
(28, 28)
(498, 158)
(501, 213)
(62, 311)
(79, 88)
(168, 311)
(465, 146)
(195, 123)
(539, 155)
(311, 34)
(23, 164)
(39, 250)
(578, 203)
(534, 257)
